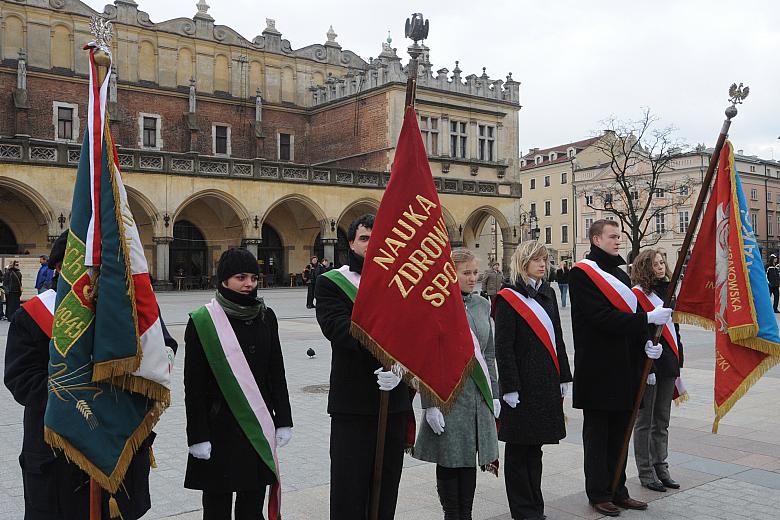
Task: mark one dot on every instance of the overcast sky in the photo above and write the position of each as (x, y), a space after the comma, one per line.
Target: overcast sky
(578, 61)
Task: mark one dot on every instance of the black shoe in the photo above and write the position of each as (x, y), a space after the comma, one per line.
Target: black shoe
(670, 483)
(310, 306)
(656, 486)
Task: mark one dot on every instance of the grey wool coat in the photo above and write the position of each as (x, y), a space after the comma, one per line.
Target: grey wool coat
(469, 427)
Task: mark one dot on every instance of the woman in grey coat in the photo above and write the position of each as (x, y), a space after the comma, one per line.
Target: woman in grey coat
(466, 436)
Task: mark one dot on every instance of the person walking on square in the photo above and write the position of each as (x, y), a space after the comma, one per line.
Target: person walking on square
(562, 277)
(44, 276)
(773, 277)
(534, 376)
(609, 352)
(492, 280)
(310, 273)
(234, 430)
(12, 284)
(2, 295)
(650, 275)
(465, 436)
(356, 380)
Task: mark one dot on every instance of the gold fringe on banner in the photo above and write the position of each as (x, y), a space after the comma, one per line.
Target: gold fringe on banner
(686, 318)
(744, 386)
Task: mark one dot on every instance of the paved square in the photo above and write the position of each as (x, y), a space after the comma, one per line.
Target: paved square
(732, 475)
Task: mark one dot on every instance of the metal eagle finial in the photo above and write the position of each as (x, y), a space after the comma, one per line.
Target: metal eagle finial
(416, 27)
(102, 30)
(738, 93)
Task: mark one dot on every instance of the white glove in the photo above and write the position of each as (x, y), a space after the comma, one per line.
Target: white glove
(512, 399)
(659, 316)
(496, 407)
(651, 379)
(201, 450)
(435, 420)
(283, 436)
(653, 351)
(387, 380)
(564, 389)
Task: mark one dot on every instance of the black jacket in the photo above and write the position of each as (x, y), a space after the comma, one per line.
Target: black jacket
(525, 366)
(12, 281)
(773, 275)
(562, 276)
(608, 343)
(53, 487)
(312, 272)
(353, 386)
(234, 464)
(667, 365)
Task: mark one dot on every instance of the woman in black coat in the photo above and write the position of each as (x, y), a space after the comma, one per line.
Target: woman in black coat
(651, 275)
(530, 384)
(222, 461)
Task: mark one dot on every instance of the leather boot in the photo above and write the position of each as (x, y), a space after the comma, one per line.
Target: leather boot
(448, 496)
(467, 484)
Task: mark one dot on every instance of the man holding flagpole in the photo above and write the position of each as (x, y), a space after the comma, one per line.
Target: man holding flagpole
(609, 338)
(356, 380)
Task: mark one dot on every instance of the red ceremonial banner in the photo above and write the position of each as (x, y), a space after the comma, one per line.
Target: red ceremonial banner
(408, 310)
(725, 290)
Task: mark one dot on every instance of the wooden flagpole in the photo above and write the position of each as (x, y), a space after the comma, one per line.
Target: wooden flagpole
(417, 29)
(736, 96)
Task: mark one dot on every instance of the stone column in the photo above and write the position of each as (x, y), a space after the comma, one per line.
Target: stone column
(251, 245)
(329, 248)
(509, 250)
(162, 271)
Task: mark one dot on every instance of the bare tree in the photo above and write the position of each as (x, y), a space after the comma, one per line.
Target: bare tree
(636, 186)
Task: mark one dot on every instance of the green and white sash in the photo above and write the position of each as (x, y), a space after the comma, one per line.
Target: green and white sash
(240, 390)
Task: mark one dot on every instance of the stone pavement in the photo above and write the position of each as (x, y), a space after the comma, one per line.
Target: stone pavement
(732, 475)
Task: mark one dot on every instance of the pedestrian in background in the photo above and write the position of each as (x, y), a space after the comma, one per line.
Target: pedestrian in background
(310, 273)
(12, 283)
(492, 281)
(44, 276)
(562, 277)
(773, 277)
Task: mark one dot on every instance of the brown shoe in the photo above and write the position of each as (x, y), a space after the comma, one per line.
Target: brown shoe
(607, 508)
(630, 503)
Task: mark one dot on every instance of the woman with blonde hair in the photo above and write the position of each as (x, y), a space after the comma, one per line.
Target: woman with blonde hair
(534, 376)
(466, 436)
(650, 276)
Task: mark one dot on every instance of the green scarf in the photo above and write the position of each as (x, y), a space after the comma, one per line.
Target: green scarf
(243, 312)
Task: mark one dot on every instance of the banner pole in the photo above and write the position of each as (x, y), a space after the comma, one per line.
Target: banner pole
(736, 97)
(95, 499)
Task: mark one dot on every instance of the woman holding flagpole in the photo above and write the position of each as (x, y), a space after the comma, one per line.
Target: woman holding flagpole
(465, 436)
(650, 276)
(534, 376)
(236, 399)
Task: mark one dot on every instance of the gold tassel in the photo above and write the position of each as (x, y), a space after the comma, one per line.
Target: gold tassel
(113, 508)
(152, 461)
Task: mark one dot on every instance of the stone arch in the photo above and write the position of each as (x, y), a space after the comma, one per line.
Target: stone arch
(256, 78)
(13, 36)
(147, 62)
(147, 220)
(28, 215)
(486, 245)
(184, 67)
(356, 209)
(61, 47)
(232, 202)
(452, 226)
(317, 78)
(221, 73)
(298, 220)
(288, 85)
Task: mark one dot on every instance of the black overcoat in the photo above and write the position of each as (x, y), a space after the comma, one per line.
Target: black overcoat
(608, 343)
(55, 489)
(234, 464)
(525, 366)
(353, 386)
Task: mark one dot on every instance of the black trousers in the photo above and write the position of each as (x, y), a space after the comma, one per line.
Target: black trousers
(12, 302)
(602, 438)
(310, 294)
(249, 505)
(352, 450)
(775, 296)
(523, 479)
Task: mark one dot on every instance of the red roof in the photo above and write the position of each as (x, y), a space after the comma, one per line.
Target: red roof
(562, 150)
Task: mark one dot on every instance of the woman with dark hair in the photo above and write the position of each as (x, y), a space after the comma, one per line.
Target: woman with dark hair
(534, 376)
(236, 399)
(465, 436)
(650, 276)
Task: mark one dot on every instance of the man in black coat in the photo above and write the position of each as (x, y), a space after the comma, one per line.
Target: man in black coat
(356, 379)
(54, 488)
(310, 275)
(608, 359)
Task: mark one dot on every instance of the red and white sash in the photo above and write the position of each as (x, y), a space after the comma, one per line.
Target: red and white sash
(41, 310)
(619, 294)
(648, 302)
(536, 317)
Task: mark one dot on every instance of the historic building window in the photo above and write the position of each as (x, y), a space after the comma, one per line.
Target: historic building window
(588, 223)
(684, 218)
(564, 206)
(286, 151)
(548, 235)
(429, 127)
(547, 208)
(564, 234)
(769, 196)
(754, 222)
(684, 191)
(589, 200)
(564, 177)
(607, 198)
(66, 121)
(769, 230)
(571, 152)
(659, 193)
(546, 181)
(458, 139)
(753, 194)
(220, 139)
(487, 143)
(660, 223)
(635, 195)
(533, 184)
(533, 209)
(150, 131)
